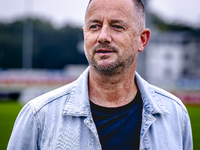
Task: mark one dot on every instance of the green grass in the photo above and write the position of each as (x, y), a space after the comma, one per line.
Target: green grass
(194, 113)
(9, 111)
(8, 114)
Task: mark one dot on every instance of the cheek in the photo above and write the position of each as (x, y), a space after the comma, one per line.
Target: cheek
(124, 42)
(90, 40)
(129, 45)
(132, 39)
(89, 43)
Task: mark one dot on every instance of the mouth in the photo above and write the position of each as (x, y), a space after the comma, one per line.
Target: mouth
(105, 51)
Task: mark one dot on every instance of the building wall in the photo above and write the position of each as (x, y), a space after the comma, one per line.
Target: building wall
(164, 61)
(172, 58)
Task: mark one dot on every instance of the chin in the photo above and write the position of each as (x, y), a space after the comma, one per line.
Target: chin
(109, 69)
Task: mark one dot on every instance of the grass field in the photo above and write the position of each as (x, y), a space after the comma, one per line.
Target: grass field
(194, 113)
(8, 114)
(9, 111)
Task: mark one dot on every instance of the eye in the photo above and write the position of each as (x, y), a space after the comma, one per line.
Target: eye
(118, 27)
(94, 27)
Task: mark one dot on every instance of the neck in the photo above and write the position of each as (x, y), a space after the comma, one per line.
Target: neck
(112, 91)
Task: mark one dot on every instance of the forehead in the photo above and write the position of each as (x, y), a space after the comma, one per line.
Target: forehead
(114, 8)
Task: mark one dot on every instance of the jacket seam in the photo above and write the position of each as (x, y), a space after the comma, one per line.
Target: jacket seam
(36, 118)
(170, 97)
(47, 100)
(184, 121)
(39, 130)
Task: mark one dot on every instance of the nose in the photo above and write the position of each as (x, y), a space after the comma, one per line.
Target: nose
(104, 36)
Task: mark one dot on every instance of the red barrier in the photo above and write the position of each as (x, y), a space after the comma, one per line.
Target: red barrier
(188, 97)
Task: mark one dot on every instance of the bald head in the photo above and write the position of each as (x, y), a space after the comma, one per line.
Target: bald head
(138, 4)
(140, 11)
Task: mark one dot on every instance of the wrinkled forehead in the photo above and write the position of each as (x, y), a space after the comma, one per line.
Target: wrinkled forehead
(106, 1)
(103, 7)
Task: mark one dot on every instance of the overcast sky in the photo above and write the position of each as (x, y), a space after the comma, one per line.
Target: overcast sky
(60, 12)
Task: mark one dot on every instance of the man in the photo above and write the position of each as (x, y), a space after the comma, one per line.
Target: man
(110, 106)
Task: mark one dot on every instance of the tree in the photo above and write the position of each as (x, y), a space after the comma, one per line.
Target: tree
(52, 48)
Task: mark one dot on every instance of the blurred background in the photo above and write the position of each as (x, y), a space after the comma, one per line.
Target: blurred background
(41, 48)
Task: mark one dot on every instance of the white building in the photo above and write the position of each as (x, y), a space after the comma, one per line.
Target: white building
(171, 57)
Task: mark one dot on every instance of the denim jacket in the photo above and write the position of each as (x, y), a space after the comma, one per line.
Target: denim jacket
(61, 119)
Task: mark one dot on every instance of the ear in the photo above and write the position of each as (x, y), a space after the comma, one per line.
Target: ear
(144, 39)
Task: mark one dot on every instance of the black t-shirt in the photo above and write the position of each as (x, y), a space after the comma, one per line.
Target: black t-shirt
(119, 128)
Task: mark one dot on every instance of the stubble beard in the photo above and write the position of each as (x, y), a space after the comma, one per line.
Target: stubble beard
(119, 66)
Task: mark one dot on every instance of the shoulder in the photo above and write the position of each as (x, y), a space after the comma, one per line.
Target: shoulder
(46, 99)
(158, 97)
(168, 96)
(59, 97)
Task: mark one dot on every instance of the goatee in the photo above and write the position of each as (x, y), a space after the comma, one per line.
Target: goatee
(114, 68)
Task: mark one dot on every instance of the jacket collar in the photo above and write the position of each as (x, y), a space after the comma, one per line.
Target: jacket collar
(151, 101)
(78, 101)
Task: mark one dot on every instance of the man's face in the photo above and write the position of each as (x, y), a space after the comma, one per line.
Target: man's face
(111, 36)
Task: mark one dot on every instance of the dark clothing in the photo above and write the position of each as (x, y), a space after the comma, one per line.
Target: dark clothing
(119, 128)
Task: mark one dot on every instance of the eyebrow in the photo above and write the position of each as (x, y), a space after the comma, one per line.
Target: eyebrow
(111, 22)
(119, 21)
(93, 21)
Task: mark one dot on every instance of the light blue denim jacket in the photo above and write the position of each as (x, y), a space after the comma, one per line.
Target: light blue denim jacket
(62, 120)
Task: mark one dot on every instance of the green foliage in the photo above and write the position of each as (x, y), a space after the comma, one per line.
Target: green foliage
(162, 25)
(10, 45)
(52, 48)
